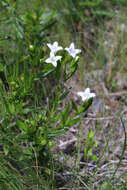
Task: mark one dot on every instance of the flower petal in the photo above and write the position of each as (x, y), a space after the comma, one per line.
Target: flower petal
(54, 64)
(55, 44)
(49, 45)
(58, 58)
(80, 93)
(48, 60)
(87, 90)
(77, 51)
(72, 46)
(92, 95)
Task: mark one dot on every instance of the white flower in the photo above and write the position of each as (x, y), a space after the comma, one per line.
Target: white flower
(86, 94)
(53, 59)
(54, 47)
(72, 51)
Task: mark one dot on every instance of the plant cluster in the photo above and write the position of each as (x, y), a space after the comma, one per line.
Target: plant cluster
(37, 125)
(35, 103)
(33, 87)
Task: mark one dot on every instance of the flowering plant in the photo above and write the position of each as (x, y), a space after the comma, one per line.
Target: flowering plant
(72, 51)
(54, 47)
(38, 127)
(86, 95)
(53, 59)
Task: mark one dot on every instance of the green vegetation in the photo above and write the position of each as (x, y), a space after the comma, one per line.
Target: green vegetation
(38, 107)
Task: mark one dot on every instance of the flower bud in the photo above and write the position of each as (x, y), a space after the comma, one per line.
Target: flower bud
(31, 47)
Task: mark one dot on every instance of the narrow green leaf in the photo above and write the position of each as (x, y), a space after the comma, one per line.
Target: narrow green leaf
(66, 113)
(85, 106)
(55, 119)
(64, 95)
(74, 106)
(72, 122)
(21, 125)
